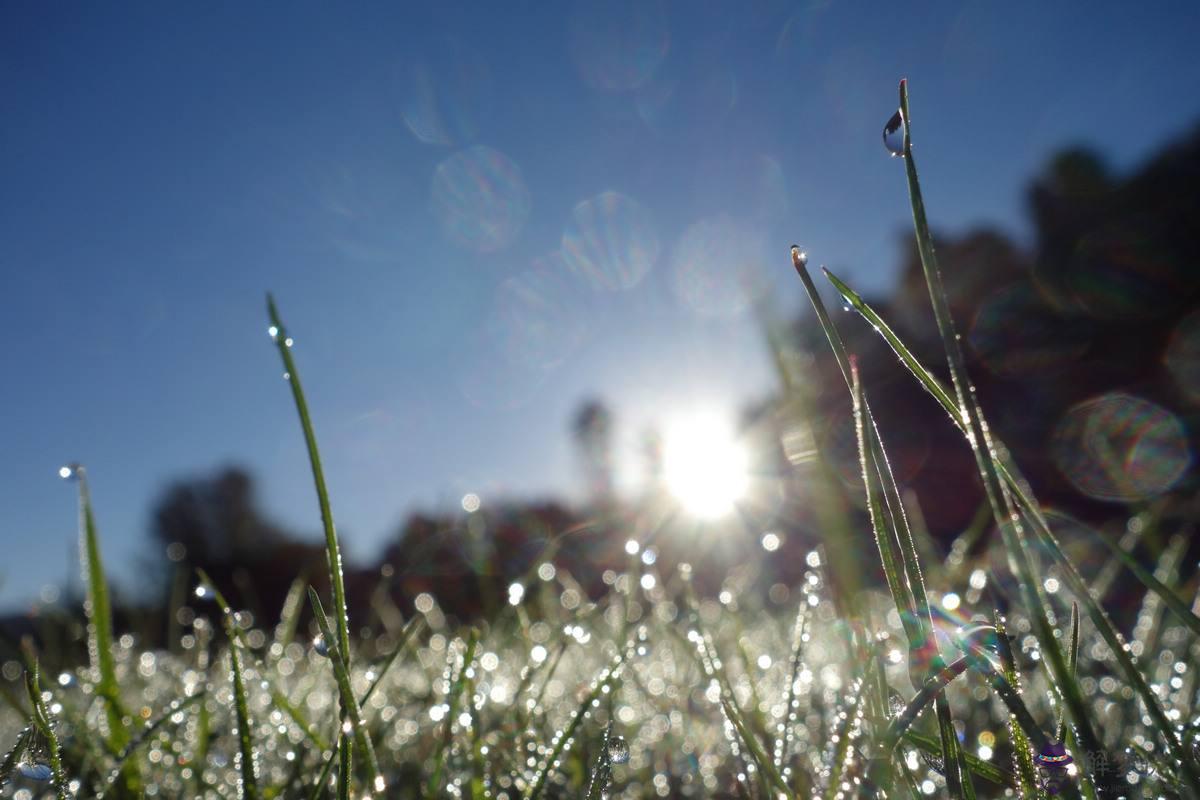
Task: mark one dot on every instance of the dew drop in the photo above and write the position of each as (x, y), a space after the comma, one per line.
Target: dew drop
(893, 134)
(618, 750)
(203, 592)
(34, 771)
(799, 256)
(321, 646)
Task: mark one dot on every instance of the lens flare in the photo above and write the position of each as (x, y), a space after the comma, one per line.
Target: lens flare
(446, 93)
(480, 198)
(1121, 448)
(704, 466)
(610, 243)
(535, 317)
(714, 263)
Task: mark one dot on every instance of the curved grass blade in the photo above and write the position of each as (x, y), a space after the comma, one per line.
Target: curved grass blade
(13, 756)
(408, 634)
(41, 721)
(333, 555)
(350, 709)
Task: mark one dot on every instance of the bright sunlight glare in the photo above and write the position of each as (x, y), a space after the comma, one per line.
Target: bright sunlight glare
(704, 466)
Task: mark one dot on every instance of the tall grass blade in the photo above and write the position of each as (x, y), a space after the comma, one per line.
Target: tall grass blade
(456, 690)
(98, 611)
(248, 763)
(333, 554)
(924, 658)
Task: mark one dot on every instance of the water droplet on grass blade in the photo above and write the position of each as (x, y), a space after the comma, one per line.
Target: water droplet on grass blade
(618, 750)
(321, 646)
(34, 771)
(204, 592)
(893, 134)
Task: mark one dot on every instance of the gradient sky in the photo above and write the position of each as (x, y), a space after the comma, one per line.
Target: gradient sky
(473, 217)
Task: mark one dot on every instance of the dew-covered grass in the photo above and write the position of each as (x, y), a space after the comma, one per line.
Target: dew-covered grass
(949, 679)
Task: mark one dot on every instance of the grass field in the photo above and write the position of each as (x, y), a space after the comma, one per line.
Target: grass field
(653, 690)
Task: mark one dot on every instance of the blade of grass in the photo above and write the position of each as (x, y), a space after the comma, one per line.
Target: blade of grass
(408, 634)
(333, 554)
(923, 652)
(248, 786)
(563, 738)
(1026, 776)
(1072, 663)
(289, 614)
(13, 756)
(99, 614)
(1178, 607)
(41, 721)
(144, 735)
(984, 769)
(799, 638)
(899, 589)
(456, 689)
(350, 709)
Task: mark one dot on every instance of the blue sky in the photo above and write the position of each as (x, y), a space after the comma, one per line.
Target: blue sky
(473, 217)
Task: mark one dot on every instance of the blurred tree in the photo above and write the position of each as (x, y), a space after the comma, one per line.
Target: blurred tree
(215, 524)
(592, 428)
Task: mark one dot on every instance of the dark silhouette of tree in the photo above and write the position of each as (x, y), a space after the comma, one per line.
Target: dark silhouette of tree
(592, 429)
(215, 524)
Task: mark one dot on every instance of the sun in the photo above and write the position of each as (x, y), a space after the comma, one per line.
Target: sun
(705, 467)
